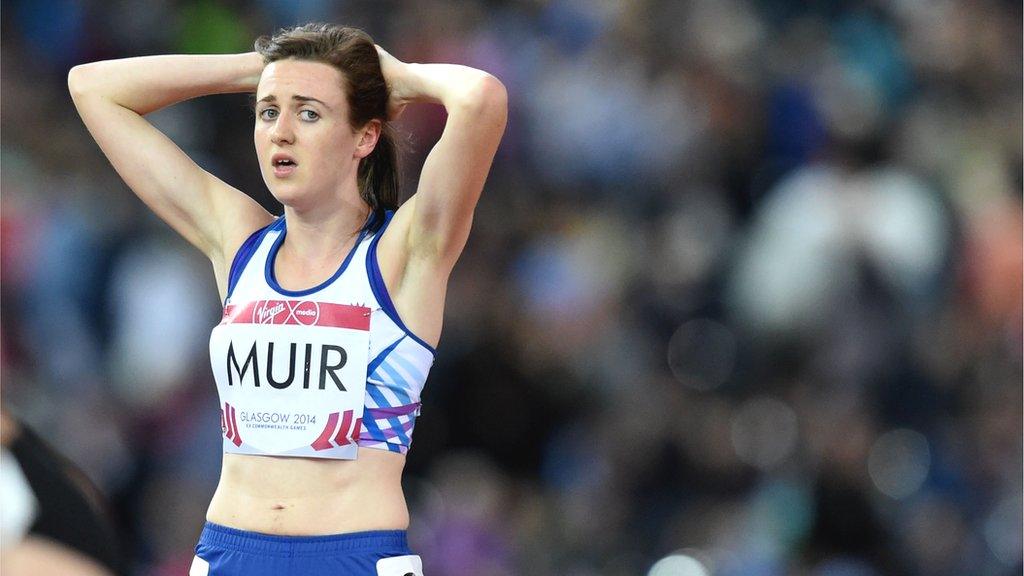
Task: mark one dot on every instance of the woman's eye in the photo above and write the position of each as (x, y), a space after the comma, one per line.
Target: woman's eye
(308, 115)
(268, 114)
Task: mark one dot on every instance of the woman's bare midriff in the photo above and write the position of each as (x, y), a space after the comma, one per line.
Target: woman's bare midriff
(310, 496)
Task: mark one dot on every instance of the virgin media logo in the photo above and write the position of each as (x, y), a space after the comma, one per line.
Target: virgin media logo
(265, 312)
(302, 312)
(298, 312)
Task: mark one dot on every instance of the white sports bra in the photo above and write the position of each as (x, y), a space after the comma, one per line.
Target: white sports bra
(319, 372)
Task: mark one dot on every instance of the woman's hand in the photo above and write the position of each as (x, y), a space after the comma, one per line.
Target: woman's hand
(395, 75)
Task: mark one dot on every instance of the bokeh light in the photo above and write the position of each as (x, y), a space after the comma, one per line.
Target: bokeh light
(1003, 529)
(899, 462)
(702, 353)
(678, 565)
(764, 431)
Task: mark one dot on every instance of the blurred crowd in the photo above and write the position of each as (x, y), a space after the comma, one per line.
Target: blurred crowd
(743, 294)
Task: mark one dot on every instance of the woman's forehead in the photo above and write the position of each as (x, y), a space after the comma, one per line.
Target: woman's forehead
(287, 78)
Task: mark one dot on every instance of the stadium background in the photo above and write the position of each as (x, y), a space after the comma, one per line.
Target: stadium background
(744, 286)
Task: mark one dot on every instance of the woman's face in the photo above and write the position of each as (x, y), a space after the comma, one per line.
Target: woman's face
(304, 144)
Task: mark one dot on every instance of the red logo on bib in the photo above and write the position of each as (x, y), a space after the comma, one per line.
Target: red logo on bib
(298, 312)
(304, 312)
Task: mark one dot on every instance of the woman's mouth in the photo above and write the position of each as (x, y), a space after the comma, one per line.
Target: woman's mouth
(284, 167)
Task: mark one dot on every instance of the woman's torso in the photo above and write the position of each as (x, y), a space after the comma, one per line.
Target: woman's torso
(305, 496)
(317, 494)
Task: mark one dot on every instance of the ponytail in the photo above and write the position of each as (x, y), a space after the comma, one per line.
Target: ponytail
(378, 176)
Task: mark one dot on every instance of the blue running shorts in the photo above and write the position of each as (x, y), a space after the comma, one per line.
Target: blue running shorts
(224, 551)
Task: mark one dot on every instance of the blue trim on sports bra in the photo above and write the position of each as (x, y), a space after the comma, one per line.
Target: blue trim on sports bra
(372, 367)
(380, 290)
(272, 255)
(243, 255)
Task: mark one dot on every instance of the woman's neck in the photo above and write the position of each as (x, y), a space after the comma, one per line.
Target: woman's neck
(317, 236)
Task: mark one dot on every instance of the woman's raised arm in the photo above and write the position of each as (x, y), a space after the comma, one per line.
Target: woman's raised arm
(112, 96)
(439, 215)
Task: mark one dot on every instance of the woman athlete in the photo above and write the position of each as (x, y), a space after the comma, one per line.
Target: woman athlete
(332, 310)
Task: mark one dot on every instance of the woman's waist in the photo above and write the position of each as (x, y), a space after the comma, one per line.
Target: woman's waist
(268, 545)
(306, 496)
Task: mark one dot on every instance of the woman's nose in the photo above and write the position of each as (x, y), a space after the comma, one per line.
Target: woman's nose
(282, 131)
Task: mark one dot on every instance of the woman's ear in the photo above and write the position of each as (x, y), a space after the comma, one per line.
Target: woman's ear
(368, 138)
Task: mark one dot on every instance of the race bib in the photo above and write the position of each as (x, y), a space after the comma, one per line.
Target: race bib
(291, 375)
(410, 565)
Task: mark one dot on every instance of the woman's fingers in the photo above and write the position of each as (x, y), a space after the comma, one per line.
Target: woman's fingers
(391, 68)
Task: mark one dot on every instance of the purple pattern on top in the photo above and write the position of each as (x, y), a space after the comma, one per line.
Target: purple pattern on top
(391, 411)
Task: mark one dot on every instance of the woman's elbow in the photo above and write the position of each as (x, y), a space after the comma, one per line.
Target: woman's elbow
(493, 91)
(79, 78)
(486, 96)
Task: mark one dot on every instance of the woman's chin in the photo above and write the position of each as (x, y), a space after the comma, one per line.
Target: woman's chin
(286, 193)
(294, 198)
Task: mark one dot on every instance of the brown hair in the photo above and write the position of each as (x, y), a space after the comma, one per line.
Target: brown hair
(352, 52)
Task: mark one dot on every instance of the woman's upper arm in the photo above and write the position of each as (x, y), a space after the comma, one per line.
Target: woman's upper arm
(454, 173)
(207, 212)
